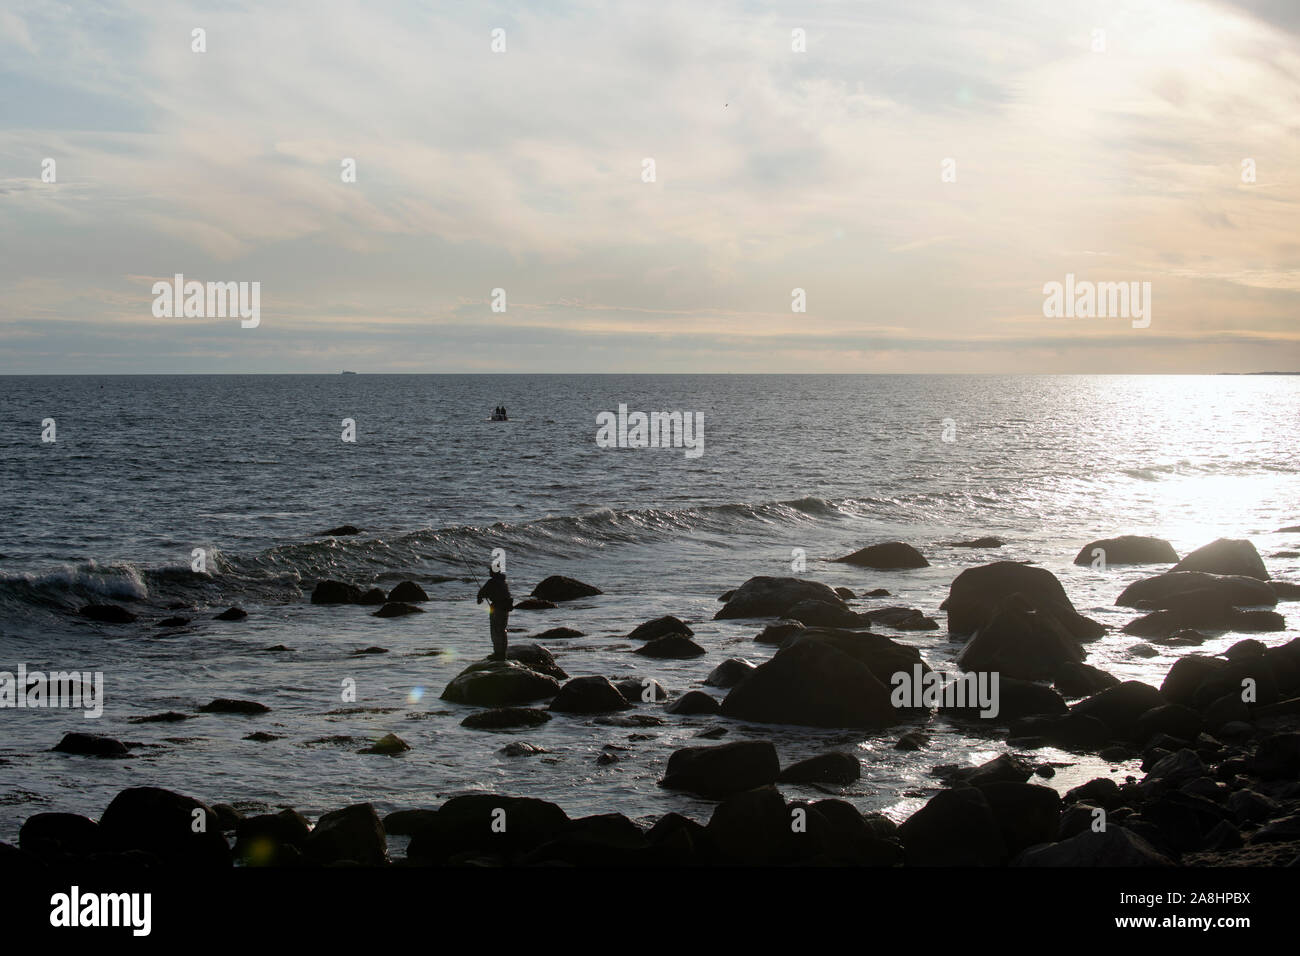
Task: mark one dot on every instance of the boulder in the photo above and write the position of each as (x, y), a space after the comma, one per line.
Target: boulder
(1226, 556)
(836, 768)
(506, 718)
(1187, 675)
(231, 614)
(373, 598)
(729, 673)
(227, 705)
(558, 634)
(335, 592)
(389, 745)
(1021, 641)
(354, 834)
(823, 680)
(342, 530)
(902, 619)
(559, 588)
(671, 647)
(890, 556)
(825, 614)
(499, 684)
(975, 594)
(1082, 680)
(1163, 590)
(535, 604)
(408, 592)
(107, 614)
(694, 702)
(753, 827)
(955, 828)
(398, 610)
(473, 824)
(537, 658)
(1077, 732)
(60, 837)
(90, 745)
(1129, 549)
(1114, 846)
(588, 695)
(778, 632)
(605, 839)
(163, 823)
(1026, 813)
(641, 690)
(772, 597)
(720, 771)
(1120, 707)
(660, 627)
(1016, 699)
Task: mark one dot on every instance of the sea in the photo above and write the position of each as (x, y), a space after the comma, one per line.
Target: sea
(250, 471)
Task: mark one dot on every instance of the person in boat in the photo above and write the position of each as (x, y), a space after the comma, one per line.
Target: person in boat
(497, 594)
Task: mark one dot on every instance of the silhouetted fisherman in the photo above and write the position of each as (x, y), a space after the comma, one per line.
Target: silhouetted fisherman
(500, 605)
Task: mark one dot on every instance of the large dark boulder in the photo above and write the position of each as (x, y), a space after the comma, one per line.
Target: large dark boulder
(824, 679)
(890, 556)
(354, 834)
(335, 592)
(179, 830)
(1021, 641)
(773, 597)
(1121, 706)
(671, 647)
(398, 610)
(499, 684)
(717, 772)
(901, 618)
(408, 592)
(778, 632)
(1016, 700)
(825, 614)
(1184, 679)
(955, 828)
(753, 827)
(1114, 846)
(1129, 549)
(90, 745)
(506, 718)
(486, 824)
(729, 673)
(976, 593)
(694, 702)
(836, 768)
(1082, 680)
(660, 627)
(1164, 590)
(559, 588)
(537, 658)
(589, 695)
(1226, 556)
(60, 837)
(605, 839)
(1026, 813)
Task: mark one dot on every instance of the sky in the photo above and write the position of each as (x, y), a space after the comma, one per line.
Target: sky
(921, 170)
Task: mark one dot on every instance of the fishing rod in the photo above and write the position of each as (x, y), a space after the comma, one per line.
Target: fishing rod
(465, 561)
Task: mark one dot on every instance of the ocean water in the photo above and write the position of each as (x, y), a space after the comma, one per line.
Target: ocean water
(252, 469)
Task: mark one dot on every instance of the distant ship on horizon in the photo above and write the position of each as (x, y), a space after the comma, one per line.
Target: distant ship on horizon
(346, 372)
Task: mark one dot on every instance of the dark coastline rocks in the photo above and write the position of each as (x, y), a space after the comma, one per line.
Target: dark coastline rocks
(60, 837)
(836, 768)
(778, 632)
(1121, 706)
(772, 597)
(825, 614)
(341, 531)
(537, 658)
(589, 695)
(660, 627)
(227, 705)
(506, 718)
(889, 556)
(558, 634)
(1114, 846)
(729, 673)
(723, 770)
(485, 825)
(354, 834)
(107, 614)
(641, 690)
(671, 647)
(955, 828)
(1226, 556)
(499, 684)
(176, 829)
(901, 618)
(694, 702)
(90, 745)
(976, 593)
(408, 592)
(392, 609)
(535, 604)
(1165, 590)
(1021, 641)
(335, 592)
(1129, 549)
(373, 598)
(824, 678)
(231, 614)
(558, 588)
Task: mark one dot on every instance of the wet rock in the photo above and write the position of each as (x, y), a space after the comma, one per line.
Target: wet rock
(535, 604)
(226, 705)
(1185, 678)
(173, 622)
(912, 740)
(778, 632)
(1283, 830)
(1165, 590)
(694, 702)
(408, 592)
(846, 593)
(231, 614)
(369, 651)
(506, 718)
(90, 745)
(262, 737)
(753, 827)
(559, 588)
(335, 592)
(1119, 707)
(1285, 590)
(1172, 719)
(107, 614)
(1129, 549)
(1002, 768)
(1226, 556)
(519, 748)
(588, 695)
(1021, 641)
(890, 556)
(671, 647)
(1016, 699)
(606, 839)
(955, 828)
(285, 827)
(375, 597)
(1115, 846)
(836, 768)
(1099, 792)
(902, 619)
(341, 531)
(1250, 806)
(59, 837)
(1026, 813)
(716, 732)
(729, 673)
(1074, 679)
(163, 823)
(877, 593)
(499, 684)
(976, 593)
(227, 816)
(389, 745)
(472, 825)
(1143, 650)
(773, 596)
(354, 834)
(1181, 638)
(558, 634)
(1069, 731)
(717, 772)
(398, 610)
(537, 658)
(660, 627)
(1173, 771)
(825, 614)
(641, 690)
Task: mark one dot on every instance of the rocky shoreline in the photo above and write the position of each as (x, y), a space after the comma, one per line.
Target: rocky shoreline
(1219, 739)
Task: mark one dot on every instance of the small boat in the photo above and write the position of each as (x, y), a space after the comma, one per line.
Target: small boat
(499, 414)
